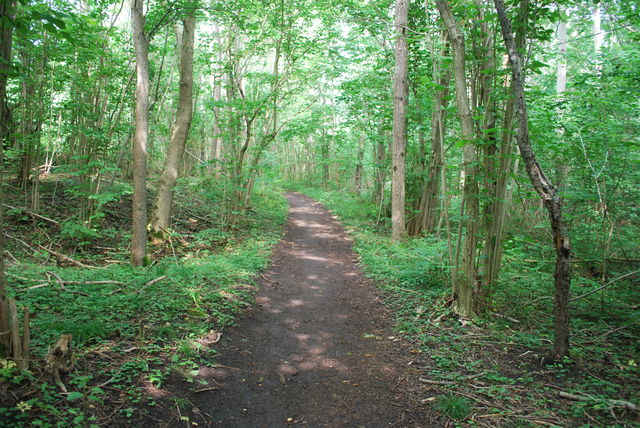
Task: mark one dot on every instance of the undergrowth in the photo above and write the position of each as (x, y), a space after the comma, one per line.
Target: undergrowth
(495, 370)
(133, 326)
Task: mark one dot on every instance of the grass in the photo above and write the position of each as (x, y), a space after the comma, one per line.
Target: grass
(129, 330)
(494, 370)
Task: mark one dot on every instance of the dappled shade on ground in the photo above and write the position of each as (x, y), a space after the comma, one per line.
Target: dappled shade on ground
(318, 348)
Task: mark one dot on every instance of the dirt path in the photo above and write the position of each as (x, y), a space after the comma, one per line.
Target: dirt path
(318, 348)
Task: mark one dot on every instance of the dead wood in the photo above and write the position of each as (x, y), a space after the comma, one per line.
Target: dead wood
(613, 402)
(66, 258)
(60, 359)
(32, 214)
(63, 288)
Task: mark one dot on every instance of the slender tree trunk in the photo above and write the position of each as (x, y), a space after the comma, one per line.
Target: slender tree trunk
(380, 157)
(216, 147)
(427, 210)
(161, 217)
(324, 155)
(7, 14)
(562, 168)
(598, 37)
(463, 285)
(357, 177)
(497, 212)
(139, 223)
(400, 101)
(548, 193)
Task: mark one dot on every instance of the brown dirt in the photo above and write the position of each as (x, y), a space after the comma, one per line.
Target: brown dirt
(318, 348)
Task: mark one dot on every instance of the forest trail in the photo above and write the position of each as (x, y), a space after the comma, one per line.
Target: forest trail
(317, 349)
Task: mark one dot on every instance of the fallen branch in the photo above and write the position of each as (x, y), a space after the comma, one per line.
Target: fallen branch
(267, 279)
(154, 281)
(32, 214)
(513, 320)
(611, 332)
(21, 278)
(93, 282)
(536, 300)
(213, 388)
(435, 382)
(573, 299)
(63, 288)
(67, 258)
(622, 403)
(11, 256)
(150, 283)
(20, 241)
(604, 286)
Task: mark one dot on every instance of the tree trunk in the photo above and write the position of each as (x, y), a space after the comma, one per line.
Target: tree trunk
(562, 168)
(427, 210)
(161, 217)
(598, 37)
(548, 193)
(7, 13)
(357, 178)
(216, 147)
(139, 223)
(380, 157)
(400, 101)
(463, 285)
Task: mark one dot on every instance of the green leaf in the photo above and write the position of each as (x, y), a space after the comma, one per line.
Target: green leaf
(74, 395)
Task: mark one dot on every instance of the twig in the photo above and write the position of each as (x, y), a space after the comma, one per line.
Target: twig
(573, 299)
(536, 300)
(267, 279)
(150, 283)
(12, 257)
(63, 288)
(67, 258)
(623, 403)
(153, 281)
(213, 388)
(20, 241)
(435, 382)
(496, 314)
(106, 382)
(93, 282)
(32, 214)
(604, 286)
(21, 278)
(611, 332)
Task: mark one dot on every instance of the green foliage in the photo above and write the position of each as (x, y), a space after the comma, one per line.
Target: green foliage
(78, 232)
(166, 320)
(455, 407)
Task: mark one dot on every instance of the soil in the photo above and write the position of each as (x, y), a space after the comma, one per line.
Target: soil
(318, 348)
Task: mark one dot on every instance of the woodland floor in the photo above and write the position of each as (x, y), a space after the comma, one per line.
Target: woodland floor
(318, 348)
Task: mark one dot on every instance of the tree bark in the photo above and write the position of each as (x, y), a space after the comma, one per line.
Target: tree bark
(161, 217)
(426, 219)
(400, 101)
(139, 223)
(463, 285)
(357, 177)
(216, 147)
(548, 193)
(7, 13)
(562, 168)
